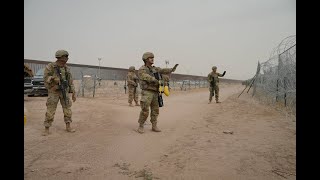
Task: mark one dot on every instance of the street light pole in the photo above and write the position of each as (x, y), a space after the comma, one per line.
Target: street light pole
(167, 62)
(99, 59)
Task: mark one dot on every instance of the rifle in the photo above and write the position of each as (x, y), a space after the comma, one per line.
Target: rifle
(125, 86)
(213, 82)
(62, 86)
(158, 76)
(136, 80)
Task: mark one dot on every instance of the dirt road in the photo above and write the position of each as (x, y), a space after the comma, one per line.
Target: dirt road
(237, 139)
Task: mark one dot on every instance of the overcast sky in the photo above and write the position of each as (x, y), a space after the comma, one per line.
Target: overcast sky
(197, 34)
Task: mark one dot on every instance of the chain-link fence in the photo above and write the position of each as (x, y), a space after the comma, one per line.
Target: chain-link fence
(275, 80)
(92, 86)
(96, 81)
(111, 82)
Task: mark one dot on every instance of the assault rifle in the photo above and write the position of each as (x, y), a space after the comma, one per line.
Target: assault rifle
(62, 86)
(158, 76)
(125, 86)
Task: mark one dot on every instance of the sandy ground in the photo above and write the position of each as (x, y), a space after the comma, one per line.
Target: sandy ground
(237, 139)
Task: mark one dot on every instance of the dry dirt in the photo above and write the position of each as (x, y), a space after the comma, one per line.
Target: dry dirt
(237, 139)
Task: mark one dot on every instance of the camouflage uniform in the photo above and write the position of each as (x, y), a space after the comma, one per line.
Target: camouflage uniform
(213, 78)
(54, 94)
(27, 71)
(133, 81)
(165, 78)
(150, 92)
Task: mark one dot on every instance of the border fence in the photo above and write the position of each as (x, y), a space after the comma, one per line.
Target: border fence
(96, 81)
(275, 79)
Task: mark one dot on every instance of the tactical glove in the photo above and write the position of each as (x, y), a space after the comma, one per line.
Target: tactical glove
(174, 68)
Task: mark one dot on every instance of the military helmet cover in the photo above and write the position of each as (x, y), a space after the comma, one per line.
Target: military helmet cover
(61, 53)
(147, 55)
(132, 68)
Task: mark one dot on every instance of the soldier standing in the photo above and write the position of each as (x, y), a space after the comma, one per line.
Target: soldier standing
(213, 78)
(56, 76)
(133, 81)
(150, 91)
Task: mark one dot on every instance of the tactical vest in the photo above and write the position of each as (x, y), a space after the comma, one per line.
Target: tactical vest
(146, 85)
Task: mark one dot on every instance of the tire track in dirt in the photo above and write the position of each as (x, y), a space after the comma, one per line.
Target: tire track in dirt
(261, 143)
(192, 144)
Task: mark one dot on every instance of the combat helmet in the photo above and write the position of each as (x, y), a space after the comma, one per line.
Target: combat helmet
(147, 55)
(132, 68)
(214, 67)
(61, 53)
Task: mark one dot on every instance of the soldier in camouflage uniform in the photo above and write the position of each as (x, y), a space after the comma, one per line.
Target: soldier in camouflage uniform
(52, 82)
(150, 91)
(27, 71)
(133, 81)
(213, 78)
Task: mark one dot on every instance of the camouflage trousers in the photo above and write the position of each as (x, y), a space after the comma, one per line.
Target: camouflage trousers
(52, 102)
(214, 90)
(133, 94)
(149, 99)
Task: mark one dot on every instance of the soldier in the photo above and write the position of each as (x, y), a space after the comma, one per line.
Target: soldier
(27, 71)
(150, 91)
(133, 81)
(213, 79)
(52, 74)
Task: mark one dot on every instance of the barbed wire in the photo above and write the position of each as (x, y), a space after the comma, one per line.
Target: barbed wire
(276, 80)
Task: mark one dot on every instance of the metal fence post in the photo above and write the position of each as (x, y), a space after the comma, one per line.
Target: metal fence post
(94, 85)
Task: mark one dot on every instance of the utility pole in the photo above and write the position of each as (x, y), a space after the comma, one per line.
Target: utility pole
(99, 78)
(99, 59)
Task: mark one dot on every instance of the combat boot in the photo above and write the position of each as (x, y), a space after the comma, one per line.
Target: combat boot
(69, 129)
(218, 101)
(46, 131)
(140, 129)
(130, 104)
(137, 104)
(155, 128)
(209, 102)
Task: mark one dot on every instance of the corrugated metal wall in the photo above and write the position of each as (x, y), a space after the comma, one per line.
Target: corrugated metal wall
(77, 70)
(35, 67)
(107, 73)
